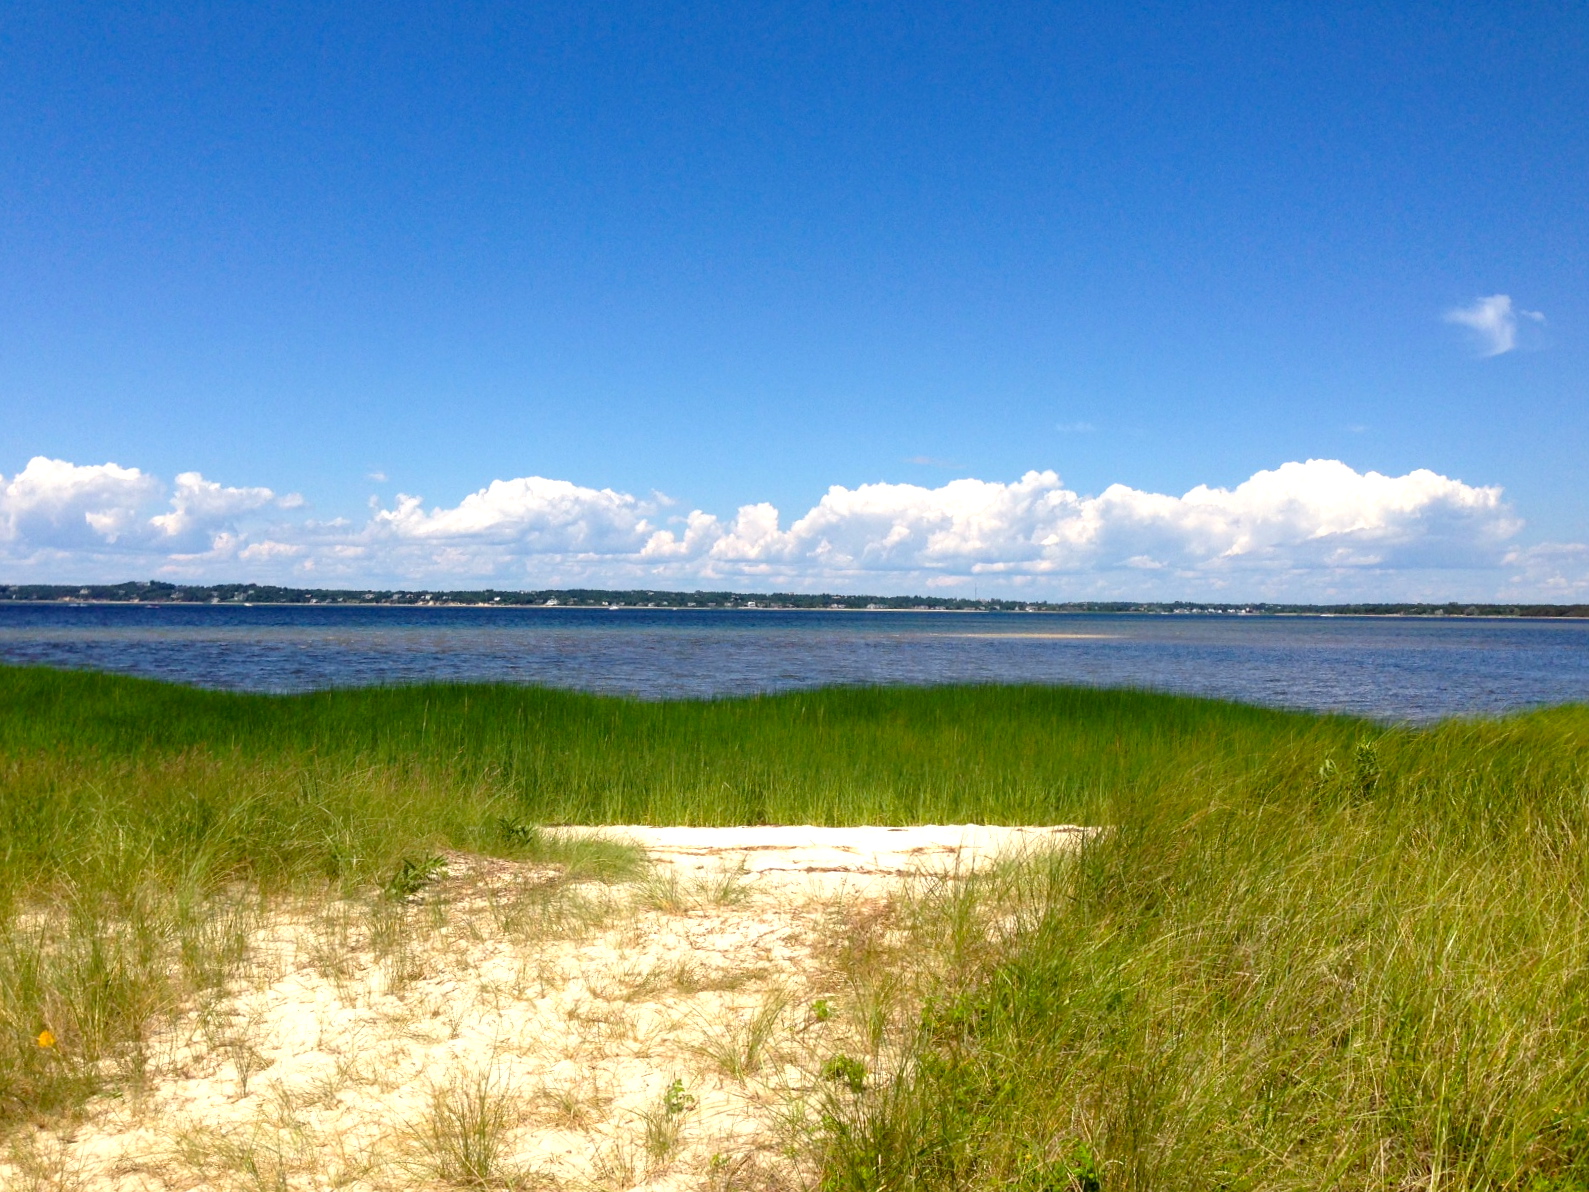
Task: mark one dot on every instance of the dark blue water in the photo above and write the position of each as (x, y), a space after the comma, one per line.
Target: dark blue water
(1396, 669)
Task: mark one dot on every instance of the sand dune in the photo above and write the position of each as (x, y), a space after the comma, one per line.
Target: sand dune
(683, 1030)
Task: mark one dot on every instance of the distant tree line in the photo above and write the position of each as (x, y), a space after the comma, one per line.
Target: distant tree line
(160, 592)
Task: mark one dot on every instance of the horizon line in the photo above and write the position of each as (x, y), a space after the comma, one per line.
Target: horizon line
(243, 594)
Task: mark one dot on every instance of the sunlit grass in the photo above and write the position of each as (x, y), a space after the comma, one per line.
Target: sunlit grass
(1306, 951)
(1358, 968)
(135, 816)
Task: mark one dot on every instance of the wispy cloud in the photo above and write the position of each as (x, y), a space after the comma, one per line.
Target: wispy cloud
(1494, 321)
(928, 461)
(1075, 428)
(1303, 530)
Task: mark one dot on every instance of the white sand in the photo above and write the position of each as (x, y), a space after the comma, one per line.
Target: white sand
(729, 975)
(811, 860)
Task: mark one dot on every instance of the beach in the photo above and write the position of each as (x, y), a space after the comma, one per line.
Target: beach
(504, 1025)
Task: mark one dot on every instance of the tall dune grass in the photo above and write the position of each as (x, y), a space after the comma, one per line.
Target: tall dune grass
(141, 823)
(1307, 952)
(881, 755)
(1353, 968)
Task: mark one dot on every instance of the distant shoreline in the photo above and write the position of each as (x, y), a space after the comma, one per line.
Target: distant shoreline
(154, 593)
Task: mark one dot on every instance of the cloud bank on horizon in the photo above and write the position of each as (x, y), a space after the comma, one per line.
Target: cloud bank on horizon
(1304, 530)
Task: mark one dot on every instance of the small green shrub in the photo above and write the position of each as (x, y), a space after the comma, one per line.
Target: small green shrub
(411, 876)
(845, 1070)
(676, 1099)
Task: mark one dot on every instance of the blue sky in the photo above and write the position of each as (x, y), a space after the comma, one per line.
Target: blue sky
(739, 254)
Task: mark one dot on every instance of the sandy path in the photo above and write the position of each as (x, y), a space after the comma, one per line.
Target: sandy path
(534, 1032)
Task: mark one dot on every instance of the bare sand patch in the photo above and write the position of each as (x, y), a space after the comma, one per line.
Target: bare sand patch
(511, 1028)
(814, 860)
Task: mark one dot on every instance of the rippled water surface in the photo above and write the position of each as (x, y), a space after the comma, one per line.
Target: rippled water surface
(1387, 667)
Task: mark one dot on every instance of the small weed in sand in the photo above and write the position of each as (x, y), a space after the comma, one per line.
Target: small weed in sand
(664, 1125)
(876, 1009)
(347, 1070)
(743, 1173)
(725, 887)
(568, 1108)
(616, 1167)
(738, 1050)
(41, 1164)
(246, 1060)
(686, 976)
(669, 894)
(689, 978)
(629, 984)
(242, 1160)
(392, 937)
(232, 1035)
(664, 892)
(329, 942)
(863, 938)
(212, 938)
(464, 1136)
(413, 875)
(535, 910)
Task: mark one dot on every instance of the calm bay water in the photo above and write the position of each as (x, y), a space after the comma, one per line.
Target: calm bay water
(1385, 667)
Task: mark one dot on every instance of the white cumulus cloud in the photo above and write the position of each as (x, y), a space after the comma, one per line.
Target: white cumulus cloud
(199, 506)
(1312, 523)
(1304, 530)
(52, 504)
(1493, 321)
(54, 510)
(1318, 515)
(529, 515)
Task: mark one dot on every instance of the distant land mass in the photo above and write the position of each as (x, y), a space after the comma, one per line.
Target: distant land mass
(158, 592)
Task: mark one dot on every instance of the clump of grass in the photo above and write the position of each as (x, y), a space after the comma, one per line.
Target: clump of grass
(465, 1135)
(41, 1164)
(664, 1126)
(616, 1167)
(739, 1048)
(253, 1158)
(1364, 966)
(78, 986)
(532, 911)
(664, 892)
(580, 857)
(392, 935)
(569, 1108)
(747, 1172)
(725, 887)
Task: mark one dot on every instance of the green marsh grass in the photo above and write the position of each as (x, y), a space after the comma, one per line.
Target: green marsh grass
(1363, 965)
(142, 823)
(1306, 952)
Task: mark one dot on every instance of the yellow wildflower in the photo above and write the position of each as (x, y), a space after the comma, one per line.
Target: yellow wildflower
(46, 1038)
